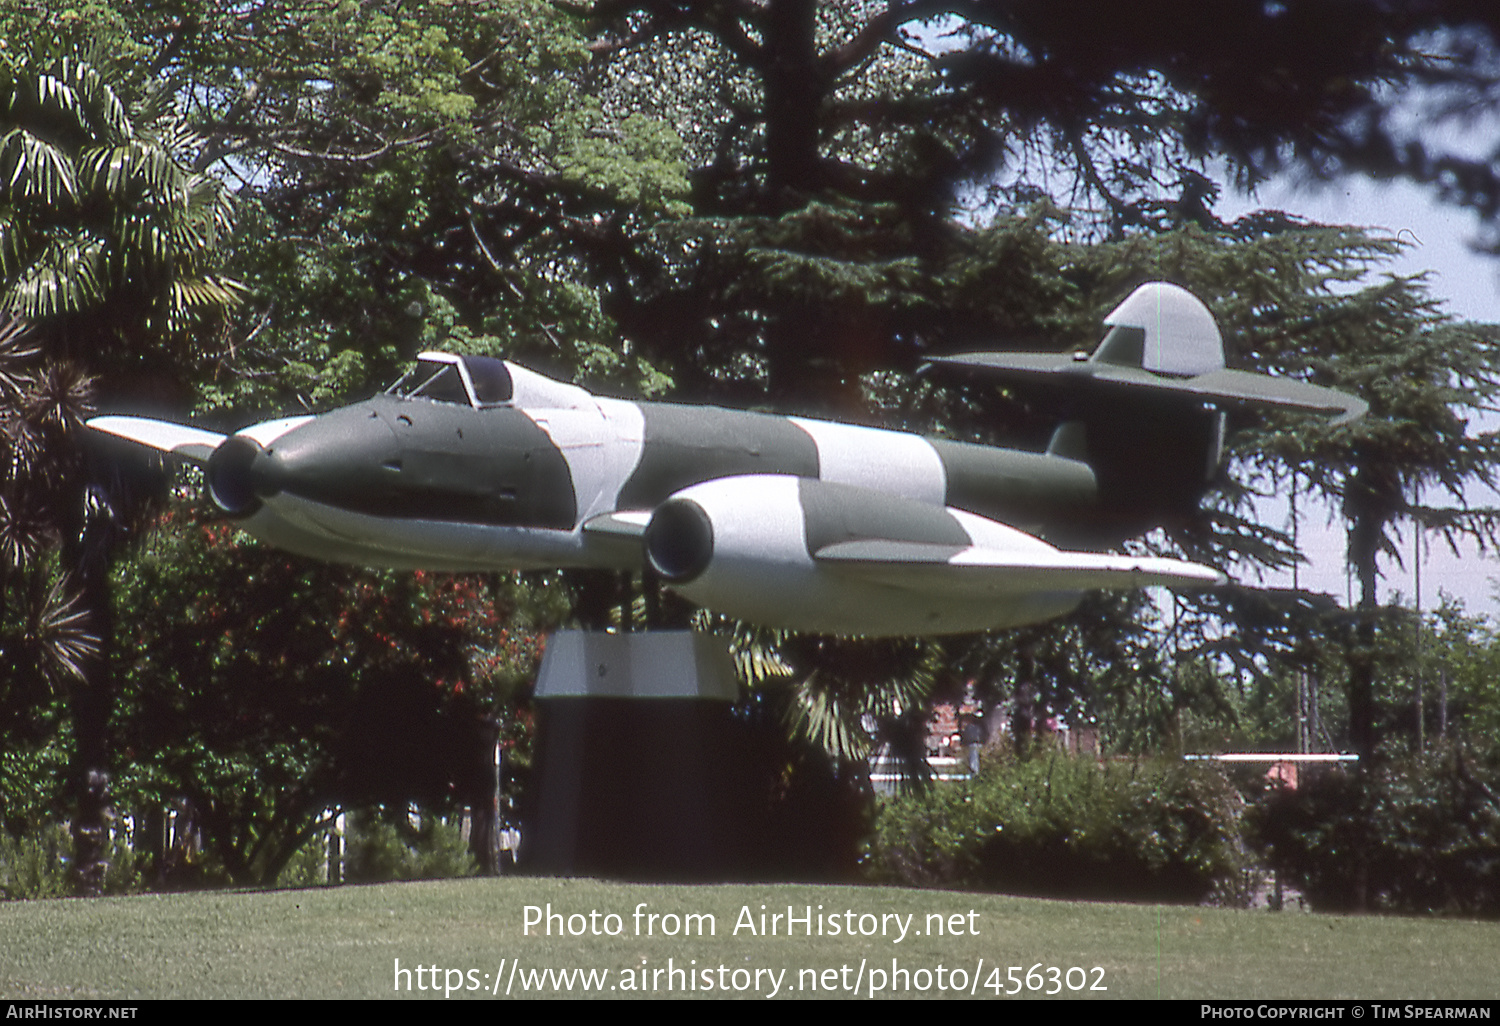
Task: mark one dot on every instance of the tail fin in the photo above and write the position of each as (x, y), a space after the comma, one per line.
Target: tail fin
(1146, 408)
(1165, 329)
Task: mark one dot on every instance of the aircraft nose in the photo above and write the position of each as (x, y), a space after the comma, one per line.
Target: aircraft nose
(341, 458)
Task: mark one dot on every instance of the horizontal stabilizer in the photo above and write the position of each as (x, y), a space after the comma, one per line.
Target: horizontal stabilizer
(1033, 568)
(1222, 386)
(178, 439)
(1162, 340)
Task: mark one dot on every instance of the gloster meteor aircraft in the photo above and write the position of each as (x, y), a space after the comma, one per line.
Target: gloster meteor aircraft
(474, 463)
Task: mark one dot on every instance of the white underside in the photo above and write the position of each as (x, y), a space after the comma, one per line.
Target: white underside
(340, 536)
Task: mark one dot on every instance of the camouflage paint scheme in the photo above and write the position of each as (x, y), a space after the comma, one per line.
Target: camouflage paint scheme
(473, 463)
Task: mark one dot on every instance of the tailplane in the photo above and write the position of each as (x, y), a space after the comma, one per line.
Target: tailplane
(1146, 408)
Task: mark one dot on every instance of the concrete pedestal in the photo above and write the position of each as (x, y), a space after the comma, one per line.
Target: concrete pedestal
(640, 765)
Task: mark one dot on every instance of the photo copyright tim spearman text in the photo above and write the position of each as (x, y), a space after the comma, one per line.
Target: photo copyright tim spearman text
(869, 977)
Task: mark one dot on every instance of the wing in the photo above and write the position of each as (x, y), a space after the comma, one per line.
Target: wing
(1020, 570)
(189, 443)
(856, 533)
(830, 558)
(986, 557)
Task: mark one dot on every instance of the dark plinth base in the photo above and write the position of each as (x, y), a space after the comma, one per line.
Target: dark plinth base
(641, 770)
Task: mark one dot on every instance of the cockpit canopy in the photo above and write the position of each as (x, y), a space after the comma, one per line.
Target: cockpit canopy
(476, 381)
(484, 381)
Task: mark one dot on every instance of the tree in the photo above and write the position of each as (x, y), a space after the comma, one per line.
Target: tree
(411, 174)
(1282, 289)
(317, 688)
(1426, 379)
(467, 172)
(44, 640)
(108, 246)
(832, 143)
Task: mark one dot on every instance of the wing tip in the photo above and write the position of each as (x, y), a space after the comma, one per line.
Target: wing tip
(1178, 573)
(164, 436)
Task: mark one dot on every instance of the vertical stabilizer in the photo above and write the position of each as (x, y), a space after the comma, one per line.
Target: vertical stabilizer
(1165, 329)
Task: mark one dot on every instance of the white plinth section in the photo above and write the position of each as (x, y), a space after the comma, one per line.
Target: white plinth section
(652, 664)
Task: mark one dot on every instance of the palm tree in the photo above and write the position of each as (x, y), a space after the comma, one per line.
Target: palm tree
(109, 246)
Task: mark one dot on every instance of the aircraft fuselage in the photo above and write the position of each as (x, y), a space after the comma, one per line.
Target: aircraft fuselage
(422, 483)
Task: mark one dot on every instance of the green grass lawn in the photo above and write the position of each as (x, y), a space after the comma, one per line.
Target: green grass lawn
(346, 942)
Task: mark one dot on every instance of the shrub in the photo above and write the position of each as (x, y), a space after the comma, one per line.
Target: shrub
(1417, 834)
(1068, 827)
(308, 866)
(35, 865)
(380, 850)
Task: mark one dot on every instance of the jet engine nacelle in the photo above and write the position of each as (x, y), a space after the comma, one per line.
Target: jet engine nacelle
(230, 478)
(749, 546)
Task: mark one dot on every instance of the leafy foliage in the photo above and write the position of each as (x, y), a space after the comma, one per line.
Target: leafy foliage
(1067, 827)
(35, 865)
(390, 848)
(46, 637)
(101, 215)
(33, 766)
(831, 146)
(42, 404)
(110, 246)
(1419, 834)
(318, 687)
(848, 696)
(416, 176)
